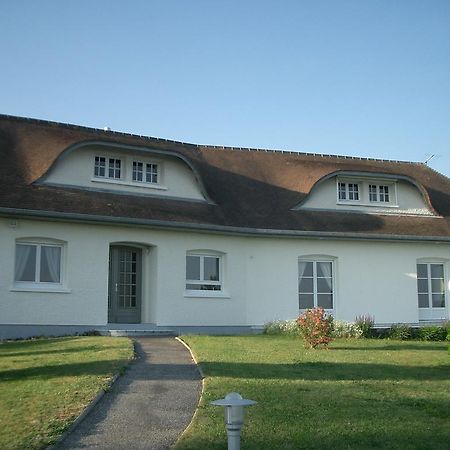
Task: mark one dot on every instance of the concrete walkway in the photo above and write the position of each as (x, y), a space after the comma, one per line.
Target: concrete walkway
(149, 406)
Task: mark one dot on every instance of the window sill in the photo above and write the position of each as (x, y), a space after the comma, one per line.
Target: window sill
(206, 294)
(130, 183)
(45, 289)
(360, 203)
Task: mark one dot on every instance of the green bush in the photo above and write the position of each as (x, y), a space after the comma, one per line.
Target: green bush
(433, 333)
(346, 330)
(365, 323)
(285, 327)
(400, 332)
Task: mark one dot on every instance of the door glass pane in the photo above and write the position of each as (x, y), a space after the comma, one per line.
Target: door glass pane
(437, 270)
(305, 269)
(50, 264)
(25, 269)
(211, 268)
(437, 286)
(423, 301)
(306, 301)
(324, 285)
(422, 285)
(422, 271)
(192, 267)
(438, 300)
(325, 301)
(306, 286)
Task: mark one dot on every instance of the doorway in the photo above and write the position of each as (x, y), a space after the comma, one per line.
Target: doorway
(125, 284)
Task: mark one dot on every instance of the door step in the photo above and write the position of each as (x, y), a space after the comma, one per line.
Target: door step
(134, 332)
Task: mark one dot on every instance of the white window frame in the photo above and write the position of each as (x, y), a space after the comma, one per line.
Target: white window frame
(318, 259)
(37, 284)
(107, 167)
(206, 293)
(127, 171)
(380, 194)
(347, 187)
(364, 192)
(433, 312)
(154, 172)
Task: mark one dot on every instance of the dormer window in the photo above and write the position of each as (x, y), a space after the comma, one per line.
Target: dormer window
(145, 172)
(114, 167)
(379, 193)
(366, 192)
(348, 191)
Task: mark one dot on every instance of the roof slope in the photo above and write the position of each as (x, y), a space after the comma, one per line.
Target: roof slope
(251, 190)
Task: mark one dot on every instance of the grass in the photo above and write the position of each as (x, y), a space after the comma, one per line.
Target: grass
(359, 394)
(46, 383)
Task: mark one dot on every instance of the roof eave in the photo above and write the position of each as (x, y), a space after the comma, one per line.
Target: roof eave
(210, 228)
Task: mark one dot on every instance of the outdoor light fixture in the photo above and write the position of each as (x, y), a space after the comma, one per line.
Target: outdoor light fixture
(234, 417)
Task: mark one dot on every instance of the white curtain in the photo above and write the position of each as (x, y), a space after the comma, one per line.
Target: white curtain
(326, 270)
(52, 258)
(23, 253)
(302, 265)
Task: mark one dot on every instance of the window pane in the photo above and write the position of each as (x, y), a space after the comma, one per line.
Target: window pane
(437, 286)
(423, 301)
(192, 267)
(353, 191)
(203, 287)
(341, 190)
(324, 285)
(422, 285)
(99, 167)
(25, 269)
(151, 175)
(306, 301)
(384, 193)
(137, 171)
(305, 286)
(325, 301)
(211, 268)
(438, 300)
(114, 168)
(305, 269)
(50, 264)
(422, 271)
(324, 269)
(437, 270)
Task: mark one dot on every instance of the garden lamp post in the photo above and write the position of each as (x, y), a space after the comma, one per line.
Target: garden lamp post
(234, 417)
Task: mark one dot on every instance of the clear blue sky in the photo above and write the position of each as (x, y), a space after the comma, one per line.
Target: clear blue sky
(364, 78)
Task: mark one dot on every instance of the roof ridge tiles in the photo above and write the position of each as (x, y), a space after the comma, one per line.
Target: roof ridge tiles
(206, 146)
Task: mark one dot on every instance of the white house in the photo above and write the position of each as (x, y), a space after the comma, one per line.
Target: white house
(102, 230)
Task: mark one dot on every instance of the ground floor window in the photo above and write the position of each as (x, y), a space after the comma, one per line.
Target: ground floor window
(315, 284)
(203, 272)
(38, 263)
(431, 285)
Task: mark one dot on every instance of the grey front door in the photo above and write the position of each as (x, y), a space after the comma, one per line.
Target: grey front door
(124, 290)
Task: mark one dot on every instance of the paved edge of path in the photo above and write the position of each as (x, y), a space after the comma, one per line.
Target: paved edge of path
(140, 356)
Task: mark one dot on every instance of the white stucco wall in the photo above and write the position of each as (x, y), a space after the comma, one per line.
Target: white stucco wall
(76, 168)
(260, 276)
(409, 199)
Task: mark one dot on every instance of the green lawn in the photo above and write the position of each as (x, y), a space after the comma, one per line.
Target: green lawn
(46, 383)
(359, 394)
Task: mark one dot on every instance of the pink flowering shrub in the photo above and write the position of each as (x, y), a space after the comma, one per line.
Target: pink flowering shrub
(315, 327)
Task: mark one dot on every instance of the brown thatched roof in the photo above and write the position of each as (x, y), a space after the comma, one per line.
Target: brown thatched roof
(251, 190)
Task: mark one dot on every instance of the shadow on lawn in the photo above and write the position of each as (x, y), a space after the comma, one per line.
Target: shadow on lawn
(394, 347)
(35, 352)
(325, 371)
